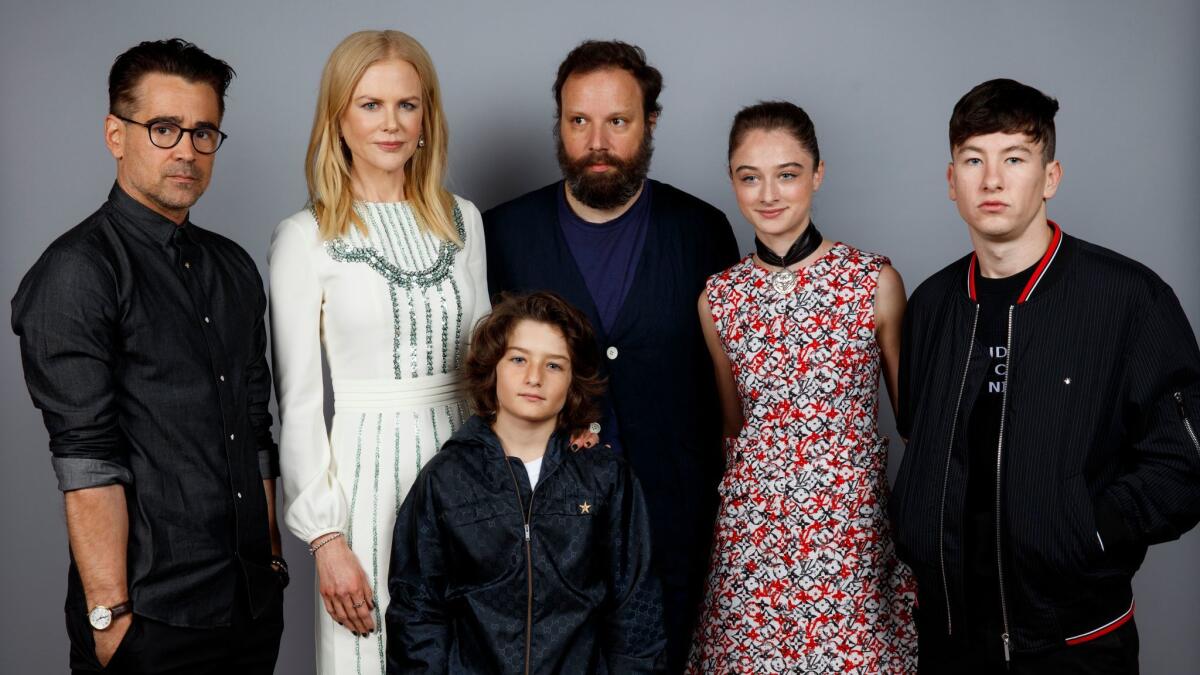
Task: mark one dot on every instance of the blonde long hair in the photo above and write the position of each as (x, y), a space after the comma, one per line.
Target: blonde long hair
(327, 164)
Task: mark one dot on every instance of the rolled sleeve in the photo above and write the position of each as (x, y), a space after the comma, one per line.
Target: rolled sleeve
(268, 463)
(64, 314)
(79, 473)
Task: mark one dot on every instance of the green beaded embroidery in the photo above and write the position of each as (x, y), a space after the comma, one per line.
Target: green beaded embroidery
(362, 420)
(375, 544)
(342, 250)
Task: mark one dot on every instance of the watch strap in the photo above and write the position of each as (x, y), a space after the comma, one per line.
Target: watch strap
(123, 608)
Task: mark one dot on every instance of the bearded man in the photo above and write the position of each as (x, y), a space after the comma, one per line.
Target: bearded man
(632, 254)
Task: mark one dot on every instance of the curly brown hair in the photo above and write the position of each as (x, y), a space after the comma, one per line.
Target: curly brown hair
(489, 341)
(593, 55)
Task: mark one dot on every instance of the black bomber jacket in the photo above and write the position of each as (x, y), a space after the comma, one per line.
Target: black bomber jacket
(489, 576)
(1098, 448)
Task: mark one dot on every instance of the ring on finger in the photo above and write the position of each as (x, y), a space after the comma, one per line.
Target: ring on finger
(358, 604)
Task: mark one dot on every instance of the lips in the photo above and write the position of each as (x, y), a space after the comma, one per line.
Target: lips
(533, 398)
(770, 213)
(390, 146)
(993, 206)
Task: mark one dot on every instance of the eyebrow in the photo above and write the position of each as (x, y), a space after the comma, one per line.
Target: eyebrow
(376, 98)
(1011, 148)
(526, 351)
(623, 112)
(175, 119)
(785, 165)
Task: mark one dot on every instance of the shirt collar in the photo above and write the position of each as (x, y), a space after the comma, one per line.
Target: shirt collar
(155, 225)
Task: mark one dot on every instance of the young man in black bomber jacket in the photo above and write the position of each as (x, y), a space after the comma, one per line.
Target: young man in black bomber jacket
(1050, 394)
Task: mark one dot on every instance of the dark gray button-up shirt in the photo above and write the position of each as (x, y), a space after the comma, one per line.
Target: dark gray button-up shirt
(144, 347)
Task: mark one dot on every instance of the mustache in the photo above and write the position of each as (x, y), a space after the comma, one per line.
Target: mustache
(185, 169)
(600, 157)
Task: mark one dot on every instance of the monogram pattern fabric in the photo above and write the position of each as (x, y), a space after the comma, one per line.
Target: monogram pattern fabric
(804, 578)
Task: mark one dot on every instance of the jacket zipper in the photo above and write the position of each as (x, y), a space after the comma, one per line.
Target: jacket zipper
(526, 517)
(1187, 423)
(1004, 637)
(946, 478)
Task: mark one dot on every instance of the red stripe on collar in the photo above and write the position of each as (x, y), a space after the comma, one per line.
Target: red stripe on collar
(1038, 273)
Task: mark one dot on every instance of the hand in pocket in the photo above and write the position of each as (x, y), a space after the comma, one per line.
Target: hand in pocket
(107, 641)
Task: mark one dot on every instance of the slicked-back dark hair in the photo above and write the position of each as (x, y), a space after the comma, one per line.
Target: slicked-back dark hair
(490, 338)
(772, 116)
(1005, 106)
(169, 57)
(593, 55)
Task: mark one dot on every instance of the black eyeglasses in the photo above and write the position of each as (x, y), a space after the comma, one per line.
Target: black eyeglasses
(206, 140)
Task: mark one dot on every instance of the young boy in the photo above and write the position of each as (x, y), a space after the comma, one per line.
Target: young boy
(1050, 392)
(514, 553)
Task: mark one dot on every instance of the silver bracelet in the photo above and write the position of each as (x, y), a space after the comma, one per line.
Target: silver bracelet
(313, 548)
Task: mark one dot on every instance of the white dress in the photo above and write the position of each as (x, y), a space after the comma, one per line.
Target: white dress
(393, 311)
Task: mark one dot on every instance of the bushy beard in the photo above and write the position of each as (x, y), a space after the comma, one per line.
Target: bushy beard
(608, 190)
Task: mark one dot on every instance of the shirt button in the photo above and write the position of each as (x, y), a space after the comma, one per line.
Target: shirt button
(239, 495)
(188, 265)
(612, 353)
(206, 320)
(231, 437)
(221, 377)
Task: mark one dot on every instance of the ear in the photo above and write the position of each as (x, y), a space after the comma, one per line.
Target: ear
(950, 182)
(1053, 178)
(651, 121)
(114, 136)
(818, 175)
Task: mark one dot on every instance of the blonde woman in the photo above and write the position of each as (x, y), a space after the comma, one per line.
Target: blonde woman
(385, 271)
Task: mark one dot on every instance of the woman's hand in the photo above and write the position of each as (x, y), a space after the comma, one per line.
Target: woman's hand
(345, 587)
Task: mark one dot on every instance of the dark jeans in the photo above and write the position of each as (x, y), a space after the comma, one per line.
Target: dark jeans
(1115, 653)
(248, 646)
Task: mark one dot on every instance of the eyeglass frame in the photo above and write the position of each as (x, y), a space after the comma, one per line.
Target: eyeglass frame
(182, 130)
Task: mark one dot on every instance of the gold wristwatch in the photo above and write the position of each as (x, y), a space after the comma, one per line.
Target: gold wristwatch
(101, 617)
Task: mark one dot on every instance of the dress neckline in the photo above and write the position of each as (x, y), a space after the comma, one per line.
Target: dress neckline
(801, 271)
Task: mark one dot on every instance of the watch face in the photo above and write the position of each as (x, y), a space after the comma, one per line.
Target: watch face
(100, 617)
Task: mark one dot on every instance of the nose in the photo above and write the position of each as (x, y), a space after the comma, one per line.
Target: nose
(533, 376)
(597, 138)
(769, 193)
(184, 150)
(391, 120)
(991, 177)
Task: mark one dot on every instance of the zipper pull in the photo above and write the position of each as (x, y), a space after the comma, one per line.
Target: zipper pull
(526, 531)
(1007, 657)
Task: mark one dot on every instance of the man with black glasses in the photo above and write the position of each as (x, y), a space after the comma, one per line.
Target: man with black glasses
(143, 343)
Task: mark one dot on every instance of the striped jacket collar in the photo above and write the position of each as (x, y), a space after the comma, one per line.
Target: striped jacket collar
(1039, 273)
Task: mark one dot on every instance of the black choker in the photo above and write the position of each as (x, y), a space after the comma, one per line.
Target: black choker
(784, 280)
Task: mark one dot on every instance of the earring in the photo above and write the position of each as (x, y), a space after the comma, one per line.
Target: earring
(421, 141)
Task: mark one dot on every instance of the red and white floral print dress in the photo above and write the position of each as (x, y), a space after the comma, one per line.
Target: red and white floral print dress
(804, 577)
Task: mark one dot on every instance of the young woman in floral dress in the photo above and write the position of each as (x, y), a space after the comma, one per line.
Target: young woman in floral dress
(804, 578)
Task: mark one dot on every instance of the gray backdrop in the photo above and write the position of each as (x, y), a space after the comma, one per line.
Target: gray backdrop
(878, 78)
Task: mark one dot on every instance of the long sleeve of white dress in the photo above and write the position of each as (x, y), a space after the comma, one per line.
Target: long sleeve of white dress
(350, 301)
(314, 503)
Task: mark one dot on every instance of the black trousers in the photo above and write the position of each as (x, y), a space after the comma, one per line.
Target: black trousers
(1115, 653)
(248, 646)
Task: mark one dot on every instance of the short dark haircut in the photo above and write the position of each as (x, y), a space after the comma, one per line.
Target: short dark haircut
(1008, 107)
(593, 55)
(489, 341)
(169, 57)
(772, 116)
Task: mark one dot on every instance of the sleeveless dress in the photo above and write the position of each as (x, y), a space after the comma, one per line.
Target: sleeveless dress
(392, 310)
(804, 577)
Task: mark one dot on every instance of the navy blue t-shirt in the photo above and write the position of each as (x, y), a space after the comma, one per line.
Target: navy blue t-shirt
(607, 253)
